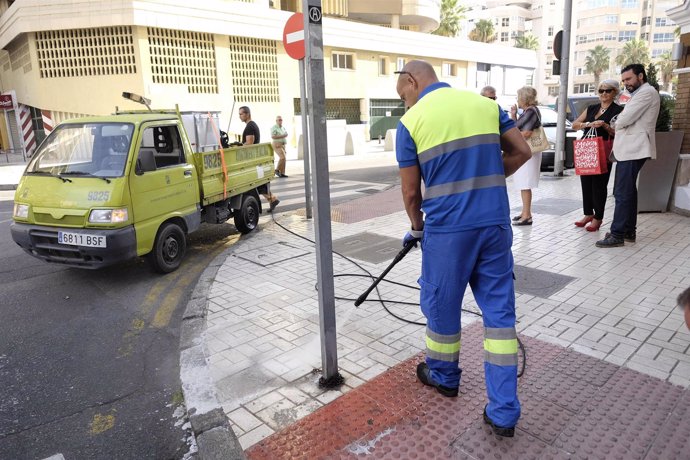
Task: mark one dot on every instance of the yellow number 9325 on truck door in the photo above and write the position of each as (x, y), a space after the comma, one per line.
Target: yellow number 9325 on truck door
(101, 190)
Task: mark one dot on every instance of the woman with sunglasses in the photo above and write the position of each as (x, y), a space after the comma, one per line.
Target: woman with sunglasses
(597, 117)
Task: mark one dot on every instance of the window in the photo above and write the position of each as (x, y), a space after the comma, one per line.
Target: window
(553, 90)
(646, 21)
(661, 22)
(644, 36)
(343, 61)
(549, 45)
(663, 38)
(505, 22)
(166, 145)
(611, 19)
(449, 70)
(629, 4)
(504, 36)
(579, 71)
(37, 124)
(383, 66)
(658, 52)
(399, 64)
(582, 88)
(550, 31)
(626, 35)
(547, 74)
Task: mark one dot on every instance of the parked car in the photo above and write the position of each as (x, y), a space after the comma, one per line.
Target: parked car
(577, 103)
(549, 119)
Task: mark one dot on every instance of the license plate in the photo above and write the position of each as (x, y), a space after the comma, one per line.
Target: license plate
(81, 239)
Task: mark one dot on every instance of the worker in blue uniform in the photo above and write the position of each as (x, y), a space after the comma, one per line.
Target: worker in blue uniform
(453, 141)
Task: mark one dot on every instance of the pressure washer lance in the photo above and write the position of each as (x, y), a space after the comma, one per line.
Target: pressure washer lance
(403, 252)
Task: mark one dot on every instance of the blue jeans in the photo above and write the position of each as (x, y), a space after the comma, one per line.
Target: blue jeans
(625, 192)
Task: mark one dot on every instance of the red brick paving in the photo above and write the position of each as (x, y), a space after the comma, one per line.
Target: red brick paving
(574, 406)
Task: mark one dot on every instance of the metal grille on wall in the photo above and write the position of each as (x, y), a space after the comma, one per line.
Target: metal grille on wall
(179, 57)
(338, 109)
(85, 52)
(254, 66)
(386, 108)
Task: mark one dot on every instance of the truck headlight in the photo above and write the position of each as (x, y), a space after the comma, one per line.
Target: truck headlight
(108, 216)
(552, 146)
(21, 210)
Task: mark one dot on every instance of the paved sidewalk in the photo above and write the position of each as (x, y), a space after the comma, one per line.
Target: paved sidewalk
(603, 320)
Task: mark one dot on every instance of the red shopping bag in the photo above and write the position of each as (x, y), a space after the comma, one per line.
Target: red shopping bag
(591, 155)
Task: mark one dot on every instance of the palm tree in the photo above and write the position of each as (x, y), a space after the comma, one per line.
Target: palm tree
(451, 15)
(666, 67)
(527, 41)
(483, 31)
(597, 62)
(634, 51)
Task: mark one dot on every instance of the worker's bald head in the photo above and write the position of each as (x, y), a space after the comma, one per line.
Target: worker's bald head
(414, 77)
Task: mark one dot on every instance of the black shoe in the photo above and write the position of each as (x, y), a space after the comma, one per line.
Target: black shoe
(518, 217)
(527, 221)
(423, 374)
(283, 175)
(630, 237)
(610, 241)
(499, 430)
(273, 205)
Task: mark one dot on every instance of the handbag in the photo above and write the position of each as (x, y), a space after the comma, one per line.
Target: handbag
(538, 141)
(590, 155)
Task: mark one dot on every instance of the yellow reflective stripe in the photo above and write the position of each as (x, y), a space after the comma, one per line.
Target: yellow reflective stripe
(501, 347)
(439, 347)
(475, 115)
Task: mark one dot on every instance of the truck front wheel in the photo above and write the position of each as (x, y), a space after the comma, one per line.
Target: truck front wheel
(169, 249)
(247, 217)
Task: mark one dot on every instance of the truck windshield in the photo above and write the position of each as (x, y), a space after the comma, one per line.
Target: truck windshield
(88, 149)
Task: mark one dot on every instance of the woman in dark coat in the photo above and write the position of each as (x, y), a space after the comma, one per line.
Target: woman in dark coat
(598, 117)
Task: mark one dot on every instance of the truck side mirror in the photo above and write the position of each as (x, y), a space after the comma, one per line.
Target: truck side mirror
(138, 170)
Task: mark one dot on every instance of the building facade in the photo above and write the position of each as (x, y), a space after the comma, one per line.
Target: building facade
(63, 58)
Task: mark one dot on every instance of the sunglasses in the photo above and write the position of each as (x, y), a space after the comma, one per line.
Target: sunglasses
(602, 91)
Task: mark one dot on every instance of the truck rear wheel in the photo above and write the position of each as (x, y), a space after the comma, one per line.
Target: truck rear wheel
(247, 217)
(168, 249)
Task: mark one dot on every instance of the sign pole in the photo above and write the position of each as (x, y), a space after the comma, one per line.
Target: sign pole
(305, 136)
(316, 98)
(559, 154)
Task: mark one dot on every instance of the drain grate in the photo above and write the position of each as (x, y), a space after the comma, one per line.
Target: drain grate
(271, 254)
(539, 283)
(369, 247)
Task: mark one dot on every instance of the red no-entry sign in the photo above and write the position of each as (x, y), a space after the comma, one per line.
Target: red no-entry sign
(293, 36)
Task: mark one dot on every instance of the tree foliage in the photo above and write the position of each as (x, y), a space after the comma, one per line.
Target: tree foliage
(452, 13)
(483, 31)
(597, 61)
(527, 41)
(665, 117)
(666, 67)
(634, 52)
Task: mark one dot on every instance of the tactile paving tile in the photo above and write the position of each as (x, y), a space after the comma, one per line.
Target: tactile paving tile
(623, 419)
(556, 387)
(479, 442)
(543, 419)
(367, 207)
(583, 367)
(673, 440)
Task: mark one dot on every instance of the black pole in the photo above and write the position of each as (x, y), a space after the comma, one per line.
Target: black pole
(403, 252)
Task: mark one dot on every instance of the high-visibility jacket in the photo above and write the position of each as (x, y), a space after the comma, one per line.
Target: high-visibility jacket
(454, 136)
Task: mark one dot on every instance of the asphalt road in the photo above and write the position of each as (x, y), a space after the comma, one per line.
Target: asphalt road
(89, 360)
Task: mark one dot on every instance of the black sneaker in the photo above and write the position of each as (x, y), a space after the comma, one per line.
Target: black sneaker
(629, 237)
(423, 374)
(273, 205)
(283, 175)
(506, 432)
(610, 241)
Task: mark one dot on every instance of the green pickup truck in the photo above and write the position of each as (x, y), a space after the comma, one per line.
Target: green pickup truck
(101, 190)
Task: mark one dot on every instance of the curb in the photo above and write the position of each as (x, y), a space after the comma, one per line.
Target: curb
(214, 436)
(4, 187)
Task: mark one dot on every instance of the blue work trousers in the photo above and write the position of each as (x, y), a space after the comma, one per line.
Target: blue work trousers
(625, 193)
(482, 258)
